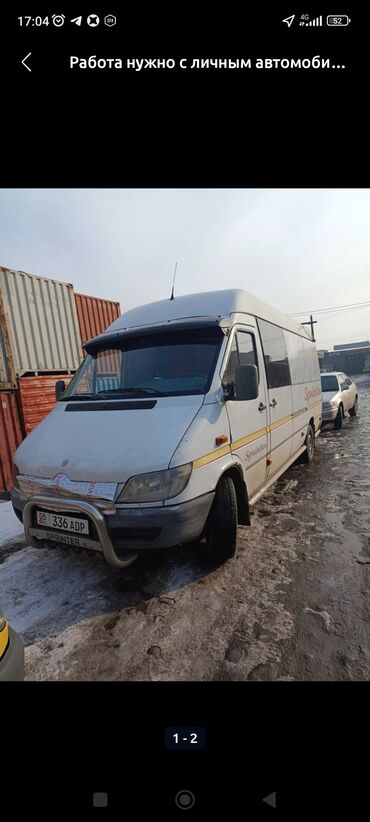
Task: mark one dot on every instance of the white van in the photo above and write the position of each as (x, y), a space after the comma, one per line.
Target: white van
(182, 414)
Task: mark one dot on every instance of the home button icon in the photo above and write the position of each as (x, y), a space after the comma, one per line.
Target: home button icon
(185, 800)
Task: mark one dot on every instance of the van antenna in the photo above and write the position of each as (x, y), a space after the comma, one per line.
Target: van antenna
(173, 284)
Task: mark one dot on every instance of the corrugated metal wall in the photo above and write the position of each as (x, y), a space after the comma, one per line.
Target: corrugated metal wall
(42, 322)
(37, 398)
(95, 315)
(350, 363)
(11, 436)
(38, 326)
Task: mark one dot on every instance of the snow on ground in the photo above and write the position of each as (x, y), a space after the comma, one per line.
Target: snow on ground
(10, 527)
(293, 603)
(44, 591)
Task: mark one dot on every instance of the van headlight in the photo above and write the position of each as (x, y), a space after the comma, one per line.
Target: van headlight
(157, 486)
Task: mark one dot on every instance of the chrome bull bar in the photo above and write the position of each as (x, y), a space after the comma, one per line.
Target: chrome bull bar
(76, 506)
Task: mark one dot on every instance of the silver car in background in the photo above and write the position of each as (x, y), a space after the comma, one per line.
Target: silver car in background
(339, 397)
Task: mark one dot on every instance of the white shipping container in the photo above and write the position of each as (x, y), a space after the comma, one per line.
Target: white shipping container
(39, 330)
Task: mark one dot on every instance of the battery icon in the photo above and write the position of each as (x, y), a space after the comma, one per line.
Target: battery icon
(337, 20)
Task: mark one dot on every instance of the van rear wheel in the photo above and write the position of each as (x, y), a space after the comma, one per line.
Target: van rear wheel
(309, 442)
(222, 525)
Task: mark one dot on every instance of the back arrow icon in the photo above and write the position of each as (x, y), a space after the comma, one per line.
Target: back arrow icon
(270, 799)
(24, 61)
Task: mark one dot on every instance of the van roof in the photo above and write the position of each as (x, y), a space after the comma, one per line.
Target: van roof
(212, 304)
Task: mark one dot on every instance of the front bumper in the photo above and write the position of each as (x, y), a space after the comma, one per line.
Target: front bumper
(122, 534)
(12, 662)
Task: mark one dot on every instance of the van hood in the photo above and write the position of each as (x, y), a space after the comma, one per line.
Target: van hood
(105, 445)
(329, 395)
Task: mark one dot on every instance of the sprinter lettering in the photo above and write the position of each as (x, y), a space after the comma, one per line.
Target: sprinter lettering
(254, 451)
(312, 392)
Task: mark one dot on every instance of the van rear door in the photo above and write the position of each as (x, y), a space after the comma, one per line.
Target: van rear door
(248, 418)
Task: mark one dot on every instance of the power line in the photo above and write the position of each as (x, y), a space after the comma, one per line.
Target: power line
(363, 304)
(347, 307)
(331, 313)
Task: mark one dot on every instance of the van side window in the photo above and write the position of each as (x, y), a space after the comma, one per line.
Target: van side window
(246, 348)
(242, 353)
(275, 354)
(303, 360)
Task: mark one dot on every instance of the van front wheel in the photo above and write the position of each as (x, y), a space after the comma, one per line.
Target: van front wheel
(222, 525)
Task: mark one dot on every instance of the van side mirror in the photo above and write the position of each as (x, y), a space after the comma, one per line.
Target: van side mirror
(60, 386)
(344, 387)
(246, 382)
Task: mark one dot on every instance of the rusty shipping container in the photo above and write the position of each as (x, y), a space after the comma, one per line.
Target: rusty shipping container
(39, 330)
(95, 315)
(11, 436)
(37, 398)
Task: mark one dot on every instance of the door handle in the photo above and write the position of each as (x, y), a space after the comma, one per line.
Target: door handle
(261, 406)
(273, 403)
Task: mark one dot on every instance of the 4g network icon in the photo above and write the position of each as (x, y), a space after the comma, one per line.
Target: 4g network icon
(336, 20)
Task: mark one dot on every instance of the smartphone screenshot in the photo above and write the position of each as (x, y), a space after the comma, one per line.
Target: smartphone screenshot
(184, 411)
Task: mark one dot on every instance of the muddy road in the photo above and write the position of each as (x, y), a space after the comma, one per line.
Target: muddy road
(293, 604)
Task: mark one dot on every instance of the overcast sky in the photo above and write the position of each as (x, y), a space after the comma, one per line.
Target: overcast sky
(297, 249)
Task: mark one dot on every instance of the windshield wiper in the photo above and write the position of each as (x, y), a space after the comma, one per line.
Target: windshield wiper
(81, 397)
(134, 390)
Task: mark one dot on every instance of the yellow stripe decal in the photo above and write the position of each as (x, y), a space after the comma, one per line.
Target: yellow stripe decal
(280, 422)
(297, 413)
(220, 452)
(249, 438)
(214, 455)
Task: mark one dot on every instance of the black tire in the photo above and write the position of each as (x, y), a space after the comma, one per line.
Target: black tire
(339, 419)
(222, 525)
(309, 442)
(353, 411)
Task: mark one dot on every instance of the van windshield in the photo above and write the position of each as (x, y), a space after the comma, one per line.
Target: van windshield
(329, 383)
(163, 364)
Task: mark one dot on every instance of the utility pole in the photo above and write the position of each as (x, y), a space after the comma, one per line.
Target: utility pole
(311, 322)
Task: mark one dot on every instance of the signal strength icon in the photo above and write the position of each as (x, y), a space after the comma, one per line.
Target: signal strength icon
(316, 22)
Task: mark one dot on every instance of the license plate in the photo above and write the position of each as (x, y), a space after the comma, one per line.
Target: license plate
(63, 522)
